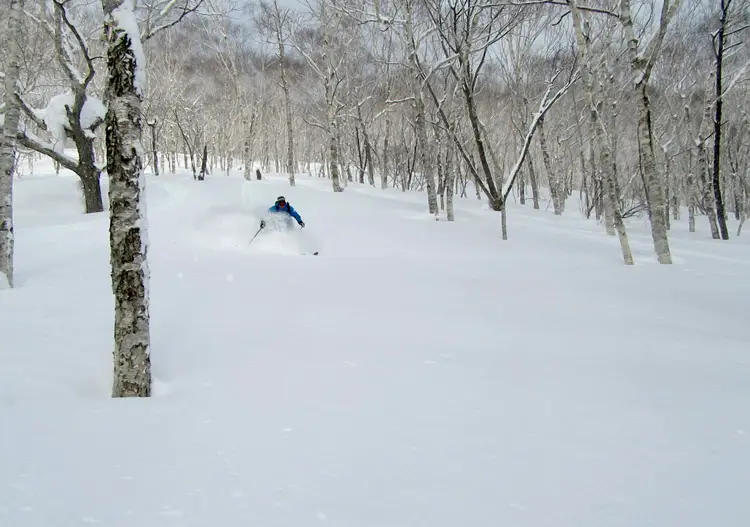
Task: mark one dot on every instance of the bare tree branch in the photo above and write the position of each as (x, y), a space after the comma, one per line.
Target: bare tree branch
(186, 8)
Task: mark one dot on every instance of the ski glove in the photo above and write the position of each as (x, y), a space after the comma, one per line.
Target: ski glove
(302, 224)
(262, 223)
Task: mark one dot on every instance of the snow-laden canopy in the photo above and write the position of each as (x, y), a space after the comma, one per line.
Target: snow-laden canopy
(56, 116)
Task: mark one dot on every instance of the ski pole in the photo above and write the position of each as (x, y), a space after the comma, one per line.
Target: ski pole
(256, 234)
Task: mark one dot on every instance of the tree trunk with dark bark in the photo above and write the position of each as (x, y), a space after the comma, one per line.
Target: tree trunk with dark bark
(154, 151)
(719, 42)
(204, 160)
(556, 192)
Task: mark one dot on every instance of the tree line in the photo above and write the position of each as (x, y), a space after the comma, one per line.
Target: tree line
(622, 103)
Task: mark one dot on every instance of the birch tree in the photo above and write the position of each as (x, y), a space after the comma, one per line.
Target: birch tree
(128, 224)
(278, 20)
(414, 40)
(401, 17)
(363, 82)
(336, 32)
(599, 129)
(9, 122)
(642, 63)
(520, 64)
(703, 168)
(721, 46)
(466, 31)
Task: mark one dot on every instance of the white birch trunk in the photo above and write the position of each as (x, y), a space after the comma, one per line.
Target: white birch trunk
(8, 142)
(420, 118)
(689, 184)
(246, 159)
(128, 222)
(287, 99)
(708, 188)
(330, 84)
(333, 147)
(386, 153)
(450, 182)
(656, 196)
(641, 67)
(599, 129)
(553, 178)
(368, 149)
(709, 202)
(690, 191)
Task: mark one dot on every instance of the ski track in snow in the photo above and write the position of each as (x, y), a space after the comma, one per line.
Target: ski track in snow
(417, 372)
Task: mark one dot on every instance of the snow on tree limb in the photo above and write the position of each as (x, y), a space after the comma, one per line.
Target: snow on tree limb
(561, 3)
(36, 116)
(544, 105)
(74, 114)
(55, 118)
(29, 140)
(125, 21)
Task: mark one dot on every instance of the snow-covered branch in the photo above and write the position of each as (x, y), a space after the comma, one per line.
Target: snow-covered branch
(400, 101)
(310, 60)
(313, 123)
(29, 140)
(560, 3)
(74, 114)
(544, 105)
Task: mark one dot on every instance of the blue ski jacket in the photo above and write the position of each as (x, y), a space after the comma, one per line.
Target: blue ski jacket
(275, 209)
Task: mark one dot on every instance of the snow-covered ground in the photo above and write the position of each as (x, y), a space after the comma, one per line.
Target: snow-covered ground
(414, 374)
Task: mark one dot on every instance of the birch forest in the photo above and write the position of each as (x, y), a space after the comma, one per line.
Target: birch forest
(610, 109)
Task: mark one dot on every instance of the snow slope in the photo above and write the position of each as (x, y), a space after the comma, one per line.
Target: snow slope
(416, 373)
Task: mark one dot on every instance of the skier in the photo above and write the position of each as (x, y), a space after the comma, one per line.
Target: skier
(282, 207)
